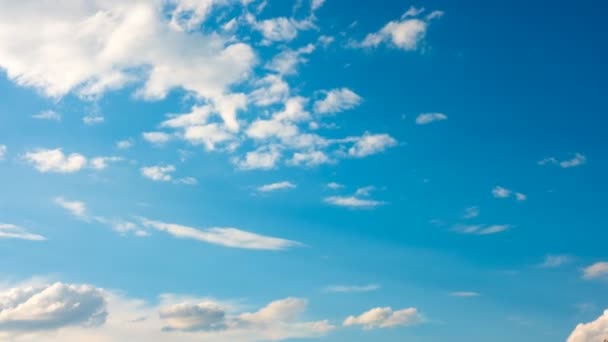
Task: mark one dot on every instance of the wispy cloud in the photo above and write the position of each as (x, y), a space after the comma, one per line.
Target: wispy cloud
(277, 186)
(223, 236)
(481, 229)
(47, 115)
(385, 317)
(471, 212)
(577, 160)
(555, 261)
(464, 294)
(352, 288)
(352, 202)
(75, 208)
(597, 270)
(502, 192)
(11, 231)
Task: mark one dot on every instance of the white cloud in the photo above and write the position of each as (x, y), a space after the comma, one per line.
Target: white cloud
(597, 270)
(482, 229)
(465, 294)
(187, 181)
(117, 43)
(352, 202)
(47, 160)
(500, 192)
(277, 186)
(76, 313)
(157, 138)
(334, 185)
(369, 144)
(405, 34)
(277, 29)
(578, 160)
(37, 308)
(325, 41)
(287, 61)
(76, 208)
(352, 288)
(93, 119)
(554, 261)
(427, 118)
(310, 158)
(365, 191)
(269, 90)
(337, 100)
(100, 163)
(471, 212)
(228, 237)
(48, 115)
(595, 331)
(11, 231)
(124, 144)
(158, 173)
(316, 4)
(265, 158)
(3, 150)
(385, 318)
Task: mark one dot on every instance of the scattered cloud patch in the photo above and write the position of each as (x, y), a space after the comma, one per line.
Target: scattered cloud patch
(370, 144)
(471, 212)
(406, 34)
(124, 144)
(157, 138)
(158, 173)
(93, 119)
(427, 118)
(75, 208)
(385, 318)
(3, 150)
(555, 261)
(502, 192)
(334, 186)
(577, 160)
(352, 202)
(464, 294)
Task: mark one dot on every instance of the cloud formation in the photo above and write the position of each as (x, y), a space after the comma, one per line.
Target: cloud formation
(385, 318)
(276, 186)
(592, 331)
(11, 231)
(223, 236)
(597, 270)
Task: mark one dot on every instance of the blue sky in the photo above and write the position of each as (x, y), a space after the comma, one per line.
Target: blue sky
(225, 170)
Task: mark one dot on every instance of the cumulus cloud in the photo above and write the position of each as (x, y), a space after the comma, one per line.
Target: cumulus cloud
(269, 90)
(591, 332)
(277, 186)
(223, 236)
(117, 43)
(100, 163)
(404, 34)
(427, 118)
(597, 270)
(352, 288)
(337, 100)
(11, 231)
(277, 29)
(54, 160)
(158, 173)
(264, 158)
(34, 308)
(47, 115)
(385, 318)
(288, 60)
(75, 313)
(370, 144)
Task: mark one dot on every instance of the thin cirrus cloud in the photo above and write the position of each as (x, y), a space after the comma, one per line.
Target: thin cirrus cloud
(427, 118)
(481, 229)
(352, 202)
(11, 231)
(223, 236)
(385, 317)
(284, 185)
(556, 260)
(75, 208)
(464, 294)
(47, 115)
(352, 288)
